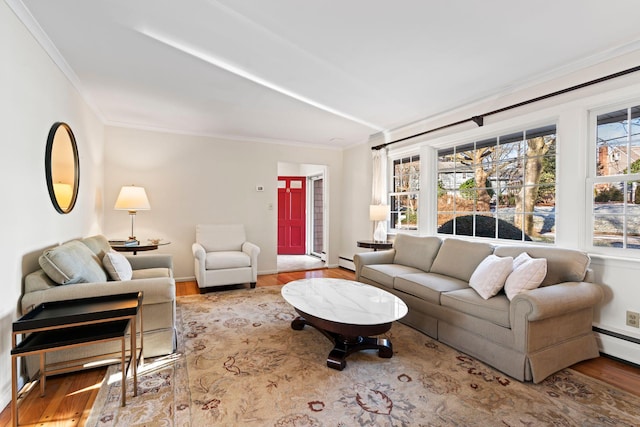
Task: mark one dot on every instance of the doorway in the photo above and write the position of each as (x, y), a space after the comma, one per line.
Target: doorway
(313, 242)
(292, 215)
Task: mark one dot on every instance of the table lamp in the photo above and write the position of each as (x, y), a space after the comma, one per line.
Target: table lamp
(132, 199)
(379, 213)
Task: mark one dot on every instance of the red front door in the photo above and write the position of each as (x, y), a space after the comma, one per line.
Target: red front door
(291, 215)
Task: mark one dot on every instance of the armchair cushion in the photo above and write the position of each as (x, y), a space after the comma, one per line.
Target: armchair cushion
(226, 259)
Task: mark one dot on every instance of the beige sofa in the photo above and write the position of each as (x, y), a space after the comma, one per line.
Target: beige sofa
(79, 265)
(529, 337)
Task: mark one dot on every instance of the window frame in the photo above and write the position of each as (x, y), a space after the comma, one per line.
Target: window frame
(482, 141)
(414, 155)
(593, 179)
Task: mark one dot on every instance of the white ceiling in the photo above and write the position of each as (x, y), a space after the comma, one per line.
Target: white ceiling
(321, 72)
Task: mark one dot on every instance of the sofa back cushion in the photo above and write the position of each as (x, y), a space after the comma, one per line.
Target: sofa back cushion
(460, 258)
(220, 237)
(98, 244)
(415, 251)
(72, 262)
(563, 265)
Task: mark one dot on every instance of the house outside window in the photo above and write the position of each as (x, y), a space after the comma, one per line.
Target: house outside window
(404, 195)
(502, 187)
(615, 186)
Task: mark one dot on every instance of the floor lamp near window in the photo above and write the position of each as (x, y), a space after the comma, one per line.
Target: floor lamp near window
(379, 214)
(132, 199)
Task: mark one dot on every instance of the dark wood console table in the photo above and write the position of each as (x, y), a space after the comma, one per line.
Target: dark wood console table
(121, 247)
(59, 325)
(374, 244)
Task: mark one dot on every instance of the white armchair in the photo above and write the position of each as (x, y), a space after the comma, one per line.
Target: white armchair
(223, 256)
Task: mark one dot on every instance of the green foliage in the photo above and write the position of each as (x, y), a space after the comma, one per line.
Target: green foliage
(635, 167)
(468, 189)
(441, 190)
(609, 194)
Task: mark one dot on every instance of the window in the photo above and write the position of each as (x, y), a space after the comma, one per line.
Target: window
(615, 188)
(502, 187)
(404, 196)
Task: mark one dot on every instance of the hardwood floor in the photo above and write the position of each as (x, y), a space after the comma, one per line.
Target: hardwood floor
(69, 397)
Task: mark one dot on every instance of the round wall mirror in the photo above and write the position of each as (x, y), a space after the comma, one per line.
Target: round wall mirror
(62, 167)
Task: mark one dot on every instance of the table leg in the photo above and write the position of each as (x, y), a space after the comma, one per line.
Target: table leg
(43, 375)
(134, 352)
(123, 367)
(345, 345)
(14, 389)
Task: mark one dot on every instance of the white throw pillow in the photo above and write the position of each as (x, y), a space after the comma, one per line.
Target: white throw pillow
(520, 259)
(526, 276)
(117, 266)
(490, 275)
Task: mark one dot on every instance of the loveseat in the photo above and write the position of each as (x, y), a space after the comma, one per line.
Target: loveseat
(87, 268)
(528, 333)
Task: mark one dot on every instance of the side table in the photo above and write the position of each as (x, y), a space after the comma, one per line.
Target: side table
(59, 325)
(375, 245)
(136, 248)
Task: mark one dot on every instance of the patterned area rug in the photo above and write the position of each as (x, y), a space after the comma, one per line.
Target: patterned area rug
(240, 364)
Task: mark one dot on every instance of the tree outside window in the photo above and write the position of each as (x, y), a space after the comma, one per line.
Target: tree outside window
(501, 187)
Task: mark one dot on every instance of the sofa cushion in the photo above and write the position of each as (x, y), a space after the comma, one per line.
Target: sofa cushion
(117, 266)
(72, 262)
(384, 274)
(490, 275)
(428, 286)
(226, 259)
(98, 244)
(151, 273)
(459, 258)
(415, 251)
(494, 310)
(563, 265)
(527, 274)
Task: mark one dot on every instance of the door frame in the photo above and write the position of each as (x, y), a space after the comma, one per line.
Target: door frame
(311, 216)
(309, 169)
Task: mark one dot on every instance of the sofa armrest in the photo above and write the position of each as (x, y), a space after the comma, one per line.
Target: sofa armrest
(155, 290)
(198, 252)
(555, 300)
(139, 262)
(376, 257)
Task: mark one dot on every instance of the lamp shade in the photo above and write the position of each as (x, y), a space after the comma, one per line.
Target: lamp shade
(378, 212)
(132, 198)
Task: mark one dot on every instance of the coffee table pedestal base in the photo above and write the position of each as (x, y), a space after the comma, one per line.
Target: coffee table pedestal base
(344, 345)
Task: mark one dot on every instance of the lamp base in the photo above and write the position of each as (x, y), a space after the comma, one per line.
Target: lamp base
(380, 234)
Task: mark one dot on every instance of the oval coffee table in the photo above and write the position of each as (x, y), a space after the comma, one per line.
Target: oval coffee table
(346, 312)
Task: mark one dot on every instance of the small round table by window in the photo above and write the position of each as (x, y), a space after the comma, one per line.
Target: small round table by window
(375, 245)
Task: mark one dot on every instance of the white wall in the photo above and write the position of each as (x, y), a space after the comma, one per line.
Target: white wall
(617, 274)
(35, 94)
(191, 180)
(356, 198)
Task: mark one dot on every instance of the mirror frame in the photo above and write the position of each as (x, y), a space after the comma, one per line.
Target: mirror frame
(61, 126)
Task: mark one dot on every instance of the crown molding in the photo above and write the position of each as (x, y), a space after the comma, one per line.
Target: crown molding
(24, 15)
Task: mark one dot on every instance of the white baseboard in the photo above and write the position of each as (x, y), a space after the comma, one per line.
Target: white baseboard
(346, 263)
(618, 347)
